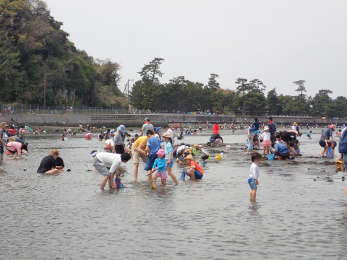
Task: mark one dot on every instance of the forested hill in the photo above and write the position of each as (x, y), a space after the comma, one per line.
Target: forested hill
(39, 65)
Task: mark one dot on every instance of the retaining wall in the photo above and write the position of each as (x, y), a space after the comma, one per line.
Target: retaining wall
(74, 119)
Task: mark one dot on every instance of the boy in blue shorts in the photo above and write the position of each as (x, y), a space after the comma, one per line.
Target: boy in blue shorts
(153, 146)
(253, 179)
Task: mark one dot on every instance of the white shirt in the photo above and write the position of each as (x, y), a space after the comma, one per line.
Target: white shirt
(266, 136)
(254, 171)
(112, 160)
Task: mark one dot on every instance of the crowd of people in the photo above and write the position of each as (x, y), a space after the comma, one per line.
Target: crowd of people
(160, 151)
(157, 151)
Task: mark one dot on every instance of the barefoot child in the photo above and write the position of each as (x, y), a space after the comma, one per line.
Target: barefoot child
(253, 179)
(168, 148)
(159, 168)
(266, 137)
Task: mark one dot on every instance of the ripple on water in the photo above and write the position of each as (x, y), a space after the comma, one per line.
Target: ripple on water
(67, 217)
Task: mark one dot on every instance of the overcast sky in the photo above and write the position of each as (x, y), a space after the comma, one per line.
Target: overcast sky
(278, 41)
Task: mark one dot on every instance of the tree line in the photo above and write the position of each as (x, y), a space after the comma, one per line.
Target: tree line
(249, 97)
(39, 65)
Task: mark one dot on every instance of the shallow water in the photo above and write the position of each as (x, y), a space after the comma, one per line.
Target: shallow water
(301, 210)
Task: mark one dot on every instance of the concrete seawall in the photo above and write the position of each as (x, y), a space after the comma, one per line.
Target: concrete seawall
(74, 119)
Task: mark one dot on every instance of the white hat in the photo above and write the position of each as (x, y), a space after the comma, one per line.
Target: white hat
(167, 134)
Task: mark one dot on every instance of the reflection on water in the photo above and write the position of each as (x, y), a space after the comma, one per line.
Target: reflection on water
(301, 210)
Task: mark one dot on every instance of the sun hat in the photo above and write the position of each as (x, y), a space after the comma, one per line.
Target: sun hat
(121, 128)
(167, 135)
(161, 153)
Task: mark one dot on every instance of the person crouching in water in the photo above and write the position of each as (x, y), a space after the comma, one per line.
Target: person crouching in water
(159, 168)
(110, 165)
(194, 170)
(15, 149)
(253, 179)
(281, 149)
(51, 164)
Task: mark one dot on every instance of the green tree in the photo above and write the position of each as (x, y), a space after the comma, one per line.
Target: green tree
(300, 87)
(212, 82)
(273, 103)
(321, 102)
(151, 71)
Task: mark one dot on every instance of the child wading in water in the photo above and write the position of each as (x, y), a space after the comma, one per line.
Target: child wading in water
(253, 179)
(159, 166)
(266, 137)
(168, 148)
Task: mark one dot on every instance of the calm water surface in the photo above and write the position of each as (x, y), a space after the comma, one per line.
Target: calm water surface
(301, 211)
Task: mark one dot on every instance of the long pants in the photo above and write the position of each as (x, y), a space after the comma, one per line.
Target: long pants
(345, 159)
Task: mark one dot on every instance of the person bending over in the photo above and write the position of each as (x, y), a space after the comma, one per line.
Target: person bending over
(281, 149)
(110, 165)
(51, 164)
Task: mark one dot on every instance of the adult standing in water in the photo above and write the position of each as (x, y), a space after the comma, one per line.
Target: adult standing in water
(327, 134)
(119, 139)
(138, 151)
(272, 130)
(153, 146)
(147, 125)
(3, 127)
(343, 146)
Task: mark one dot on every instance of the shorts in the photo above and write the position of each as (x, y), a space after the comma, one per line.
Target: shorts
(137, 158)
(161, 175)
(198, 175)
(267, 143)
(101, 168)
(119, 148)
(150, 162)
(252, 183)
(170, 165)
(283, 155)
(322, 143)
(9, 152)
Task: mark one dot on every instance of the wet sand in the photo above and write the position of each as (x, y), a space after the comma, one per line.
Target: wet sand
(301, 210)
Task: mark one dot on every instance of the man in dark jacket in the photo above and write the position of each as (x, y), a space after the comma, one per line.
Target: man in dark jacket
(272, 130)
